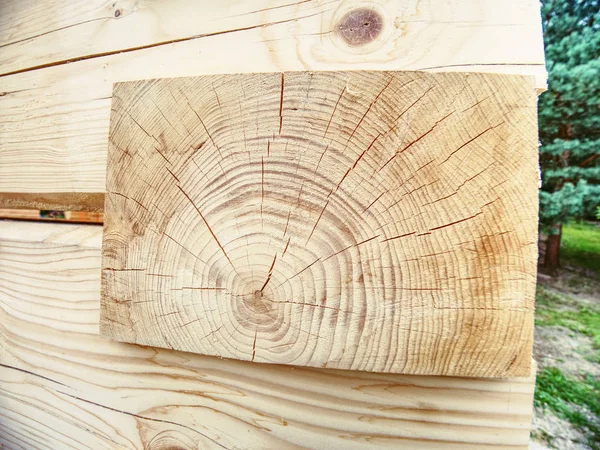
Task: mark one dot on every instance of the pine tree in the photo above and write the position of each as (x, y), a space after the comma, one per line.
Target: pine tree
(569, 118)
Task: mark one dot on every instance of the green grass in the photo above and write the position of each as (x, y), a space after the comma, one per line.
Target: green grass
(556, 309)
(580, 245)
(573, 398)
(577, 401)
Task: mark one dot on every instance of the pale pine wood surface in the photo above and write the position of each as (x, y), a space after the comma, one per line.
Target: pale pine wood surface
(380, 221)
(61, 386)
(54, 120)
(35, 34)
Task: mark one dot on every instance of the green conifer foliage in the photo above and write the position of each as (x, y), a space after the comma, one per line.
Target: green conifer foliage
(569, 117)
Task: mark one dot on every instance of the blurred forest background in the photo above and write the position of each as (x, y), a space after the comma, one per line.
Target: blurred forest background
(567, 335)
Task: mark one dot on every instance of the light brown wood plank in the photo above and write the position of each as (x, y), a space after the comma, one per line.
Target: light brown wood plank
(61, 386)
(380, 221)
(63, 201)
(423, 34)
(54, 121)
(53, 216)
(21, 214)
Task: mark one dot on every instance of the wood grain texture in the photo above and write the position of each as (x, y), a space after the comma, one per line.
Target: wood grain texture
(380, 221)
(54, 121)
(34, 34)
(61, 386)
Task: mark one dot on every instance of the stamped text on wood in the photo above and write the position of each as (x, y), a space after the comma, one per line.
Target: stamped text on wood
(380, 221)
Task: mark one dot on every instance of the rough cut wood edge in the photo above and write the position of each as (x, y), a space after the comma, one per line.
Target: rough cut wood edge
(61, 386)
(420, 33)
(54, 121)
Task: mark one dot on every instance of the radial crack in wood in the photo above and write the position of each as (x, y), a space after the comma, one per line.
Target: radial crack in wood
(379, 221)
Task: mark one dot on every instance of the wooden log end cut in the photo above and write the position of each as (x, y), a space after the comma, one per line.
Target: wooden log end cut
(379, 221)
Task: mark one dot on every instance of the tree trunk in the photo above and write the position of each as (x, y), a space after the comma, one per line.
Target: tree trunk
(552, 248)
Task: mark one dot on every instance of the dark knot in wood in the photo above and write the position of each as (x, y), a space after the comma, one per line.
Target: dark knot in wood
(360, 26)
